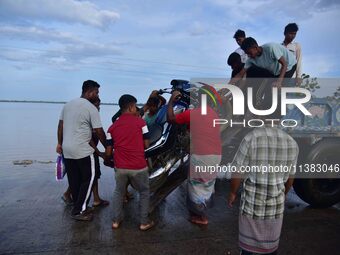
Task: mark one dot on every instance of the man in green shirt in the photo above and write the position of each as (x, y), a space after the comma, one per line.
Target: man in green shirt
(270, 60)
(152, 106)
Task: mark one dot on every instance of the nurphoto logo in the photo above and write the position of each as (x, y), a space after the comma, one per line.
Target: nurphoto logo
(238, 106)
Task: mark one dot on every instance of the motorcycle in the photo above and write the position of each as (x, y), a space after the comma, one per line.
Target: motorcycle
(168, 153)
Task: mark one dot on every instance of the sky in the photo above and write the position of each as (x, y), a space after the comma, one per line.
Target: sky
(48, 48)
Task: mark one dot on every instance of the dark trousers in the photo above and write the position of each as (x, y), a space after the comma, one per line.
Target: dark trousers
(290, 73)
(261, 81)
(80, 174)
(243, 252)
(258, 72)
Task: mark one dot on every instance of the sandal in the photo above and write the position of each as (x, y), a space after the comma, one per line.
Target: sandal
(67, 200)
(101, 203)
(89, 209)
(144, 227)
(198, 220)
(129, 195)
(115, 224)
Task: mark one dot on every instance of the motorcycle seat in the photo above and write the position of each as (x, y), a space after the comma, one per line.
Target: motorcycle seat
(161, 115)
(155, 132)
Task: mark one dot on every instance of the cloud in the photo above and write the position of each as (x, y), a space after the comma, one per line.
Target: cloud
(69, 11)
(248, 10)
(38, 34)
(64, 52)
(91, 50)
(155, 21)
(327, 4)
(319, 65)
(197, 29)
(14, 55)
(69, 57)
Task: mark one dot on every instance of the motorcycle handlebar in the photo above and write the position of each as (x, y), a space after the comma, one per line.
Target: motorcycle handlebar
(162, 91)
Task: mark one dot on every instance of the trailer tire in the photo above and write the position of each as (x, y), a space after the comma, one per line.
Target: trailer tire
(321, 193)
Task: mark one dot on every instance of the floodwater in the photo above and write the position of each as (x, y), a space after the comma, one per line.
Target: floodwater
(29, 131)
(34, 220)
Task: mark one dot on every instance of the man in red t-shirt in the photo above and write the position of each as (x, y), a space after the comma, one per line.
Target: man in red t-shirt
(205, 152)
(128, 137)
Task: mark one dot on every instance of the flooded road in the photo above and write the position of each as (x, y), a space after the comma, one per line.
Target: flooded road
(33, 219)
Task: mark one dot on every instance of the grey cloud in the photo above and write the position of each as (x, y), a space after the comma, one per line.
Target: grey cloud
(248, 10)
(326, 4)
(14, 55)
(69, 11)
(87, 50)
(67, 47)
(38, 34)
(81, 53)
(69, 57)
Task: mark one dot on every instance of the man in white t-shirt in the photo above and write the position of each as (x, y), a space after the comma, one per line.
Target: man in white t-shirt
(239, 37)
(77, 120)
(294, 47)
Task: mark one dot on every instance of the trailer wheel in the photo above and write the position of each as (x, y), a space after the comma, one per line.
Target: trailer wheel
(321, 193)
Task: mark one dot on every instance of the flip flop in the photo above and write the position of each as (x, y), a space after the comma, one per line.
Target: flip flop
(129, 195)
(198, 220)
(144, 227)
(67, 201)
(101, 203)
(115, 225)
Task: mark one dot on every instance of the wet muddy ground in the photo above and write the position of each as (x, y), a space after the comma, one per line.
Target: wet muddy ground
(33, 219)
